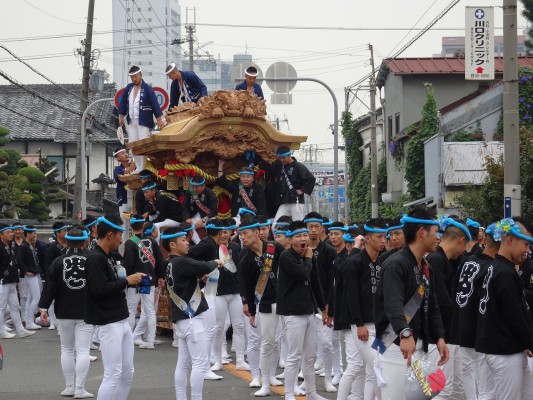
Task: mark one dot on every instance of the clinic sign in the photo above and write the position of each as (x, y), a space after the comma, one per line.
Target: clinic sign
(479, 43)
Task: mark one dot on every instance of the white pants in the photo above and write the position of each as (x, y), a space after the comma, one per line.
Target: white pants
(75, 338)
(270, 339)
(337, 352)
(486, 388)
(368, 354)
(33, 284)
(125, 208)
(254, 345)
(296, 211)
(469, 359)
(24, 294)
(116, 344)
(137, 132)
(300, 333)
(167, 223)
(192, 356)
(209, 318)
(325, 343)
(147, 322)
(353, 377)
(231, 305)
(512, 379)
(8, 297)
(394, 367)
(453, 370)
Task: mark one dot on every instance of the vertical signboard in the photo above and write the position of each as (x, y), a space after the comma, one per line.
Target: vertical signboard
(479, 43)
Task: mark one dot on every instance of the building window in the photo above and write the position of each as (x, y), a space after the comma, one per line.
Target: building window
(140, 63)
(150, 30)
(139, 9)
(138, 20)
(149, 19)
(397, 122)
(139, 41)
(149, 8)
(129, 41)
(149, 74)
(149, 51)
(389, 127)
(129, 20)
(150, 41)
(149, 63)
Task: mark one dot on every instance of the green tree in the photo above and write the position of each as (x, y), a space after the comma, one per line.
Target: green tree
(485, 203)
(353, 157)
(12, 198)
(37, 207)
(414, 167)
(527, 13)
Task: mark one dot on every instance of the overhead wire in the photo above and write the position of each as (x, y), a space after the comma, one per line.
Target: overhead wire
(52, 15)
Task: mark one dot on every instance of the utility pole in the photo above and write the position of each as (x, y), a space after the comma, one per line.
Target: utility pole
(373, 146)
(78, 206)
(191, 29)
(512, 190)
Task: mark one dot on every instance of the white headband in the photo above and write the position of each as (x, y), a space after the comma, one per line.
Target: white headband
(135, 72)
(251, 73)
(118, 151)
(170, 68)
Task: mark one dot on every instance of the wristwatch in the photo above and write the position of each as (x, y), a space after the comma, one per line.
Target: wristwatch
(406, 333)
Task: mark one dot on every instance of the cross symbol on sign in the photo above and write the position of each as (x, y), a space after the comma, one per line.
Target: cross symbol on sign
(479, 13)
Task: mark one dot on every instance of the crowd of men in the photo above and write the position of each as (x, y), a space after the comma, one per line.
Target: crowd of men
(354, 304)
(444, 302)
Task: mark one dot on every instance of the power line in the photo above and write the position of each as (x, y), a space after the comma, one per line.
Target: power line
(52, 15)
(25, 116)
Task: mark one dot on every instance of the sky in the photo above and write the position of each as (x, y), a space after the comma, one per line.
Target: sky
(335, 50)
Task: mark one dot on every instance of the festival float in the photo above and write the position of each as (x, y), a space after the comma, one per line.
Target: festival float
(227, 124)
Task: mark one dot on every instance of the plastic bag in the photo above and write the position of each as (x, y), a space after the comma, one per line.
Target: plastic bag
(424, 380)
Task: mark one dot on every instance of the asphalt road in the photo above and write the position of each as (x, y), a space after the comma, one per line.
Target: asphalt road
(32, 370)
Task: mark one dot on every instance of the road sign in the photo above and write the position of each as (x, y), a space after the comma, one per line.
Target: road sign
(118, 97)
(162, 97)
(160, 94)
(479, 43)
(281, 70)
(237, 73)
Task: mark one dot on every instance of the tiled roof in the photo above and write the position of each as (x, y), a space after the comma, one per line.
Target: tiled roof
(25, 103)
(441, 65)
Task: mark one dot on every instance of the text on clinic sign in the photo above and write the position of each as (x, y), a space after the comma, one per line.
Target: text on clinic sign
(479, 43)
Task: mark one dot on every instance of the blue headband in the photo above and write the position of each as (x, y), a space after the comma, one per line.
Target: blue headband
(490, 229)
(6, 228)
(60, 229)
(152, 186)
(287, 153)
(145, 176)
(267, 223)
(252, 226)
(296, 232)
(515, 231)
(90, 224)
(445, 222)
(280, 233)
(338, 228)
(307, 220)
(173, 235)
(282, 223)
(246, 211)
(327, 223)
(230, 227)
(410, 220)
(17, 227)
(149, 230)
(375, 230)
(112, 225)
(188, 229)
(246, 173)
(197, 183)
(354, 226)
(211, 226)
(136, 221)
(85, 236)
(348, 238)
(472, 223)
(26, 229)
(395, 228)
